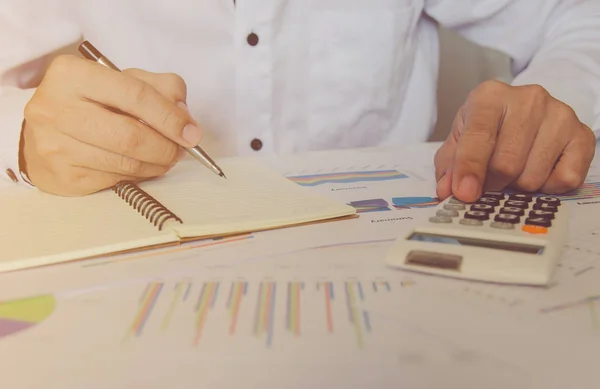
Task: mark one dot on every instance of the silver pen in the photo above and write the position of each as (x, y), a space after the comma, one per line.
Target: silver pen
(90, 52)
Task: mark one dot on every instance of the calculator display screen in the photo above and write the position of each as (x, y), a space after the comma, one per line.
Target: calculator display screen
(464, 241)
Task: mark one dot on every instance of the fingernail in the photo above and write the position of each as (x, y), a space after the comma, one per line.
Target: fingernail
(192, 134)
(469, 186)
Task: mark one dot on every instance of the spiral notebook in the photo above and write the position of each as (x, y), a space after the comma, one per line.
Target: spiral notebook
(190, 202)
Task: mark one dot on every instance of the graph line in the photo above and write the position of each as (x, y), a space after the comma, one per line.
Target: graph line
(329, 296)
(385, 284)
(205, 302)
(148, 301)
(293, 307)
(234, 301)
(573, 304)
(174, 301)
(263, 321)
(353, 313)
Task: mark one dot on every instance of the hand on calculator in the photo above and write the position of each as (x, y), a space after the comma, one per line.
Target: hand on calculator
(516, 137)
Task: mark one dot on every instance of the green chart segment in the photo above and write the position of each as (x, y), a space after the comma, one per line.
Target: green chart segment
(19, 315)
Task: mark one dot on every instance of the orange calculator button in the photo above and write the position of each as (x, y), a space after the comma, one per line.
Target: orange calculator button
(535, 229)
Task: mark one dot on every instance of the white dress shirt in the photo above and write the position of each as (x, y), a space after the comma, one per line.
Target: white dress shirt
(278, 76)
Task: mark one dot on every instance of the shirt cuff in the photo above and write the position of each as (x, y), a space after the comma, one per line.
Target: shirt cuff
(12, 106)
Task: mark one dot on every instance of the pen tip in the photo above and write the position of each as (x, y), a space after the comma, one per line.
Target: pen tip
(223, 175)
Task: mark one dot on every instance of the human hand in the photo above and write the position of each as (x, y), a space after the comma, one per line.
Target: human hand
(81, 133)
(513, 137)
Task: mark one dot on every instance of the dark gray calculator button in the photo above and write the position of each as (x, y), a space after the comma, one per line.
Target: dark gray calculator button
(520, 196)
(507, 218)
(454, 207)
(502, 225)
(482, 207)
(471, 222)
(446, 213)
(477, 215)
(548, 200)
(489, 201)
(516, 204)
(513, 211)
(543, 214)
(545, 207)
(538, 221)
(440, 219)
(497, 195)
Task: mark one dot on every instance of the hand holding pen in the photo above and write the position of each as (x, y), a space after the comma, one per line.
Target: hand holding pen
(88, 127)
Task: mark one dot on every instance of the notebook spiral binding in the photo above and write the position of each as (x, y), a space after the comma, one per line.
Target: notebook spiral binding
(144, 203)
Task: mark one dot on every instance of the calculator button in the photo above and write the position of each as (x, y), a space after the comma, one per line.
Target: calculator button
(446, 213)
(507, 218)
(482, 207)
(440, 219)
(477, 215)
(543, 214)
(496, 195)
(454, 207)
(502, 225)
(471, 222)
(489, 201)
(548, 200)
(454, 201)
(513, 211)
(538, 221)
(520, 196)
(535, 229)
(516, 204)
(545, 207)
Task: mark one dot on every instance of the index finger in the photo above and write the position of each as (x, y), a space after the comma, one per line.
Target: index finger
(476, 143)
(139, 99)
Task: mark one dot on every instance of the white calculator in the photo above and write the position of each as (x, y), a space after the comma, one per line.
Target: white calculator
(514, 238)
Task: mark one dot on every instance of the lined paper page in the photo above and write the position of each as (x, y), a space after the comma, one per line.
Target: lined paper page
(40, 229)
(253, 197)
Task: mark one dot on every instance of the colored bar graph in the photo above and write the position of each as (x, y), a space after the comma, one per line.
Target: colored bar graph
(406, 283)
(383, 284)
(206, 300)
(187, 291)
(353, 311)
(179, 287)
(329, 296)
(347, 177)
(147, 303)
(234, 300)
(265, 309)
(293, 307)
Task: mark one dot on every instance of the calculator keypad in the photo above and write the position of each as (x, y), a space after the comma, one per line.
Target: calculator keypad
(502, 211)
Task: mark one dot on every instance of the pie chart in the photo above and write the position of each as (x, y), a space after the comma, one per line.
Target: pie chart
(19, 315)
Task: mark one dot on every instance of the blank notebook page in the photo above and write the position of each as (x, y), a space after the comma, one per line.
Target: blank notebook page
(253, 197)
(40, 229)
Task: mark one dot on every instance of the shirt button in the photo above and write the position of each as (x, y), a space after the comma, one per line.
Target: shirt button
(12, 175)
(252, 39)
(256, 144)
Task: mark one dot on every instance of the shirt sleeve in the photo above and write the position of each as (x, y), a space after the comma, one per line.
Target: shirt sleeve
(30, 36)
(552, 43)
